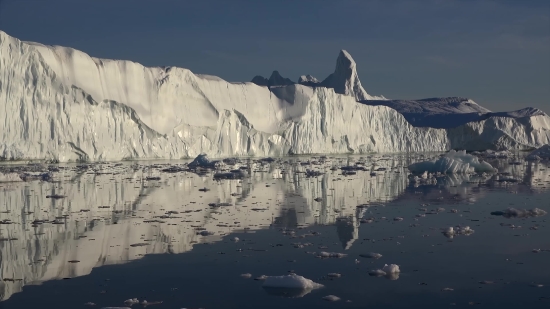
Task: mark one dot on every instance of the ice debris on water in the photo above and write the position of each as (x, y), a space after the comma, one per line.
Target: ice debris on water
(371, 255)
(377, 272)
(131, 301)
(247, 275)
(331, 298)
(454, 162)
(519, 213)
(324, 254)
(391, 269)
(291, 281)
(203, 161)
(450, 232)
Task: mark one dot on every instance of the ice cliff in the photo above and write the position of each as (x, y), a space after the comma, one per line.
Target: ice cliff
(60, 104)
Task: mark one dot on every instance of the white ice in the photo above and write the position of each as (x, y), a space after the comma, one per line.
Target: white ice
(61, 104)
(290, 282)
(454, 162)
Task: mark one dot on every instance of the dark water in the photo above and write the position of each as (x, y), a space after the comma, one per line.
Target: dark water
(87, 252)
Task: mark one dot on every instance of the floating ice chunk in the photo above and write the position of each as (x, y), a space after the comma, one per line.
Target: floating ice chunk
(260, 278)
(454, 162)
(334, 275)
(324, 254)
(371, 255)
(247, 275)
(331, 298)
(543, 153)
(131, 301)
(519, 213)
(449, 231)
(291, 282)
(377, 272)
(391, 269)
(203, 161)
(116, 308)
(465, 230)
(235, 239)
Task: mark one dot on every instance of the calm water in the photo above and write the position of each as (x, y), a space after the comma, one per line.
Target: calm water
(116, 235)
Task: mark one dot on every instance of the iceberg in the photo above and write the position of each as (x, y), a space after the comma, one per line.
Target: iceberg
(543, 153)
(60, 104)
(454, 162)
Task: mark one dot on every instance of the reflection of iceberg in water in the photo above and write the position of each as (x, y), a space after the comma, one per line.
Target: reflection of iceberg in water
(348, 231)
(106, 217)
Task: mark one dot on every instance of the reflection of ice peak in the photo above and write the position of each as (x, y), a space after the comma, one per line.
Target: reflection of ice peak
(348, 231)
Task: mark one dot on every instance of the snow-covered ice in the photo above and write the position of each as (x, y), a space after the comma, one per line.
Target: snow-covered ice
(454, 162)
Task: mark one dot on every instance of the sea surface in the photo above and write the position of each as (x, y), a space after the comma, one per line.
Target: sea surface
(96, 235)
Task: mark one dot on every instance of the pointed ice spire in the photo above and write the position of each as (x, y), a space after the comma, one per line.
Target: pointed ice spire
(277, 80)
(345, 79)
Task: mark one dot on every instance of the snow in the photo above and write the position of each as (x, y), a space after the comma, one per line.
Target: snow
(63, 105)
(291, 282)
(454, 162)
(543, 153)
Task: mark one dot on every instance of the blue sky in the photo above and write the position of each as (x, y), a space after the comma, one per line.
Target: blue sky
(495, 52)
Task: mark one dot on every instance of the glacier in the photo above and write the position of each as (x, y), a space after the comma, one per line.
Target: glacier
(59, 104)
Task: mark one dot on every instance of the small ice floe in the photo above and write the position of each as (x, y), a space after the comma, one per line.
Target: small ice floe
(371, 255)
(450, 232)
(131, 302)
(324, 254)
(519, 213)
(447, 289)
(391, 269)
(150, 303)
(290, 285)
(247, 275)
(536, 285)
(486, 282)
(377, 273)
(261, 278)
(115, 308)
(398, 219)
(334, 275)
(203, 161)
(235, 239)
(331, 298)
(89, 304)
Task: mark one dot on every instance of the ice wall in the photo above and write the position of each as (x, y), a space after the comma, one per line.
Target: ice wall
(60, 104)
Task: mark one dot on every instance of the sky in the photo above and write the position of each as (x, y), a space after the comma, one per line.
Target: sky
(496, 52)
